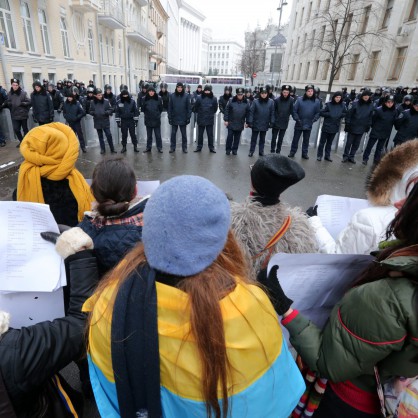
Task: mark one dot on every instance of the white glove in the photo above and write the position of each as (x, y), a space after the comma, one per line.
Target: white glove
(72, 241)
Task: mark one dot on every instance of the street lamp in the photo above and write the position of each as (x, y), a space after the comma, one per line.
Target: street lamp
(280, 9)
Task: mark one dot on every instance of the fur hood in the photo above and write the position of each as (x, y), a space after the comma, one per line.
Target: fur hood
(254, 225)
(388, 182)
(4, 322)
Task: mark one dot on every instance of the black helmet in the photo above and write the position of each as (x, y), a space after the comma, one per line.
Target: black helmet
(75, 81)
(99, 91)
(390, 98)
(90, 89)
(208, 87)
(74, 91)
(51, 85)
(70, 81)
(59, 82)
(123, 87)
(317, 90)
(406, 98)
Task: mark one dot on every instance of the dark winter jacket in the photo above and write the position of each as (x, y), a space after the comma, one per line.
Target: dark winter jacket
(359, 117)
(261, 115)
(140, 100)
(383, 120)
(306, 112)
(283, 109)
(86, 104)
(42, 106)
(57, 100)
(126, 109)
(401, 108)
(112, 100)
(223, 101)
(19, 104)
(407, 125)
(101, 110)
(237, 112)
(73, 111)
(179, 109)
(332, 113)
(165, 97)
(30, 356)
(373, 324)
(152, 108)
(3, 98)
(205, 107)
(113, 240)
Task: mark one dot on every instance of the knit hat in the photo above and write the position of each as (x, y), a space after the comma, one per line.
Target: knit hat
(186, 223)
(272, 174)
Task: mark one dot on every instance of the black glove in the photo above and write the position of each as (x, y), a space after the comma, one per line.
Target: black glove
(170, 122)
(347, 128)
(136, 123)
(312, 211)
(249, 125)
(367, 128)
(119, 124)
(50, 236)
(280, 301)
(187, 121)
(59, 111)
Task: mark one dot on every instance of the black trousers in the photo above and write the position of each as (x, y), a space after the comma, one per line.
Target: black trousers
(18, 125)
(331, 406)
(125, 127)
(108, 137)
(76, 127)
(352, 144)
(232, 140)
(281, 133)
(325, 140)
(305, 142)
(254, 136)
(379, 148)
(201, 131)
(174, 134)
(158, 140)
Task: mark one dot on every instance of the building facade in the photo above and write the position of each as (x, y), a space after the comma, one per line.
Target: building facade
(107, 41)
(224, 57)
(206, 40)
(386, 55)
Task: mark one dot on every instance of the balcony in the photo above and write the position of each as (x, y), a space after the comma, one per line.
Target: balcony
(142, 3)
(85, 6)
(138, 33)
(111, 14)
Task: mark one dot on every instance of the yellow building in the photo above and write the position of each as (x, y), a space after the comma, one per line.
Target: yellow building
(107, 41)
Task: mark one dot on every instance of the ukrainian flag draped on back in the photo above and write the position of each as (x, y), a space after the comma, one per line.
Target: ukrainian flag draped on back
(264, 380)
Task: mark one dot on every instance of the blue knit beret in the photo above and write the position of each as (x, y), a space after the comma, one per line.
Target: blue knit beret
(186, 223)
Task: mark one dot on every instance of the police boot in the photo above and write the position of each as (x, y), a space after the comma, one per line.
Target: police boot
(136, 148)
(123, 149)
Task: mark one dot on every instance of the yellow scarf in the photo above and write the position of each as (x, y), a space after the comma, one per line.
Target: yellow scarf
(51, 151)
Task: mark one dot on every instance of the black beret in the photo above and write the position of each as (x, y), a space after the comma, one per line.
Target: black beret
(272, 174)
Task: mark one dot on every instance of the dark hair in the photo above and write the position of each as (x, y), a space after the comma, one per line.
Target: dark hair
(404, 227)
(113, 186)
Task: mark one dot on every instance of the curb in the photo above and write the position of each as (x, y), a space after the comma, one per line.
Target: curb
(10, 167)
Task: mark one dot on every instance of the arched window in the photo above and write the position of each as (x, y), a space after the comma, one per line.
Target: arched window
(6, 25)
(44, 31)
(27, 26)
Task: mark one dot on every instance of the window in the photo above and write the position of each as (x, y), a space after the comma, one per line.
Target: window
(312, 42)
(227, 47)
(211, 48)
(296, 20)
(299, 71)
(326, 8)
(120, 53)
(19, 76)
(64, 37)
(353, 67)
(388, 13)
(112, 49)
(307, 70)
(374, 62)
(325, 69)
(301, 16)
(398, 63)
(321, 36)
(293, 71)
(315, 69)
(6, 25)
(101, 46)
(305, 36)
(275, 62)
(413, 11)
(338, 73)
(297, 44)
(227, 55)
(44, 31)
(36, 76)
(223, 47)
(104, 80)
(308, 14)
(27, 26)
(366, 17)
(51, 77)
(107, 51)
(91, 43)
(223, 55)
(348, 23)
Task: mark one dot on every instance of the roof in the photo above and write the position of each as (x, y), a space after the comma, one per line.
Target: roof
(277, 40)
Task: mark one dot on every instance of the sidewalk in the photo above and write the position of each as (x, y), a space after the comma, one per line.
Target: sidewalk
(10, 157)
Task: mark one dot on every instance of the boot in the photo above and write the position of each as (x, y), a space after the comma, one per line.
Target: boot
(123, 149)
(102, 151)
(113, 151)
(136, 148)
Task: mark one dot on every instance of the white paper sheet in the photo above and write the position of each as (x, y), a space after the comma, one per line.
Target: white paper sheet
(145, 187)
(316, 282)
(29, 308)
(336, 211)
(28, 263)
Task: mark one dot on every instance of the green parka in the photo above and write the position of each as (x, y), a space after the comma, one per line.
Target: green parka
(374, 324)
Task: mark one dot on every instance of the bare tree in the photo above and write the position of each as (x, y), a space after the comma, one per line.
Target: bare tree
(253, 56)
(343, 35)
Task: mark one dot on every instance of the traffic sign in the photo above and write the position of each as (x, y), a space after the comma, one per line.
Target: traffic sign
(254, 75)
